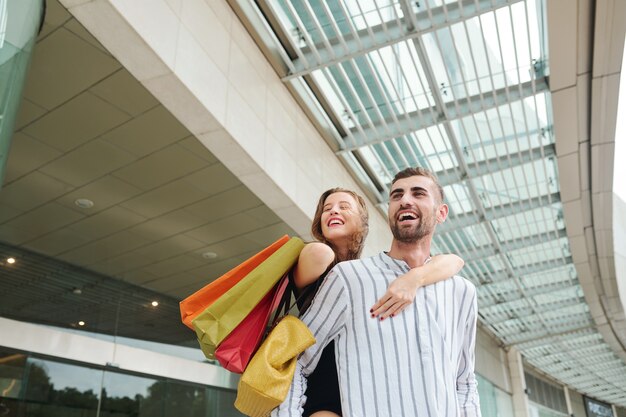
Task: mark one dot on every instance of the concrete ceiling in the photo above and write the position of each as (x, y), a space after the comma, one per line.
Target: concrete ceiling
(88, 130)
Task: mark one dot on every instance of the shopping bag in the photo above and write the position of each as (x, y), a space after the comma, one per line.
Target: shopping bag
(235, 351)
(265, 382)
(193, 305)
(220, 318)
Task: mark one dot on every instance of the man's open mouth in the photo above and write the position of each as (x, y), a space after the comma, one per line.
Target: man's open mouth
(407, 216)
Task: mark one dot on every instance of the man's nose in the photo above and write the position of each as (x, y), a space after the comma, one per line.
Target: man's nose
(405, 199)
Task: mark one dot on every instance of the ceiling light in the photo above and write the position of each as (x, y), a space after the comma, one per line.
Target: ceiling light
(81, 323)
(11, 260)
(77, 291)
(155, 303)
(209, 255)
(84, 203)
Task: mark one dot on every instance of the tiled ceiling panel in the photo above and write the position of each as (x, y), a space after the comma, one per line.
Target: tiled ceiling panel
(88, 130)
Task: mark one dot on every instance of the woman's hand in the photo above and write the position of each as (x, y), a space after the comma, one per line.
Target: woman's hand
(401, 292)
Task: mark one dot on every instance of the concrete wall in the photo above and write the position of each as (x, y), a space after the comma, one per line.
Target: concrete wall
(578, 406)
(619, 244)
(196, 57)
(491, 361)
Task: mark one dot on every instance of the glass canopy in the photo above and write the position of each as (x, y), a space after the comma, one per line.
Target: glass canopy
(460, 87)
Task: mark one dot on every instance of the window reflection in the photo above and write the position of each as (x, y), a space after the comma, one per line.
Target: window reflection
(493, 401)
(33, 387)
(57, 389)
(131, 396)
(224, 404)
(11, 381)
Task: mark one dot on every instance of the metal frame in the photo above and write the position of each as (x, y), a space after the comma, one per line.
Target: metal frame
(406, 84)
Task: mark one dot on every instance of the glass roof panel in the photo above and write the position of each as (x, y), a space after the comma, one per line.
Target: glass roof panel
(470, 101)
(553, 249)
(484, 53)
(565, 275)
(504, 130)
(512, 185)
(402, 75)
(527, 224)
(370, 13)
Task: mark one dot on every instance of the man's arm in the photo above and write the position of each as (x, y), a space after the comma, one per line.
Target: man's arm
(466, 386)
(325, 318)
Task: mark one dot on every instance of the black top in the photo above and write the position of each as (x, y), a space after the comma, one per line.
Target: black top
(322, 390)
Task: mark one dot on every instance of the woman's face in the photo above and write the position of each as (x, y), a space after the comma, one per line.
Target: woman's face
(341, 218)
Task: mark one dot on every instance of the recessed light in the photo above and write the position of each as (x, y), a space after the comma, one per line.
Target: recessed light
(84, 203)
(11, 260)
(209, 255)
(81, 323)
(155, 303)
(77, 291)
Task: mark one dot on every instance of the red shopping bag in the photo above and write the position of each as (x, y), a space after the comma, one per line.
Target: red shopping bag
(197, 302)
(237, 348)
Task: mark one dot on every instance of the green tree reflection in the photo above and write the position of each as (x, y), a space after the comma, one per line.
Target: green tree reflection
(163, 398)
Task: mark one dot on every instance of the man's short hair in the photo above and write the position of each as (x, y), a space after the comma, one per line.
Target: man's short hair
(420, 172)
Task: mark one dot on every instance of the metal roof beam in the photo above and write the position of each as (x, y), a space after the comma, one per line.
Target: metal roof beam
(491, 213)
(527, 269)
(556, 358)
(571, 337)
(487, 251)
(499, 163)
(492, 292)
(528, 312)
(432, 116)
(542, 336)
(489, 309)
(389, 33)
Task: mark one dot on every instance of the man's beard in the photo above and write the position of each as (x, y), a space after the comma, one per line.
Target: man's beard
(413, 234)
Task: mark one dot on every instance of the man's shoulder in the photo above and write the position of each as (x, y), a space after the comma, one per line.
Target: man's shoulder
(348, 265)
(461, 284)
(368, 260)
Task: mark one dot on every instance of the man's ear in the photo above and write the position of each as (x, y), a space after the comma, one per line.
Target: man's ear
(442, 213)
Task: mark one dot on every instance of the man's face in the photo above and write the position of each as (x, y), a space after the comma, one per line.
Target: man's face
(415, 208)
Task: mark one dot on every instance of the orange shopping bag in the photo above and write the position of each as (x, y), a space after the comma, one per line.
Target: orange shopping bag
(197, 302)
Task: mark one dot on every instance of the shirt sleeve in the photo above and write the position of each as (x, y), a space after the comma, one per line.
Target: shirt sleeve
(325, 318)
(466, 385)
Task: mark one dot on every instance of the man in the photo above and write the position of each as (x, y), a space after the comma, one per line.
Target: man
(419, 363)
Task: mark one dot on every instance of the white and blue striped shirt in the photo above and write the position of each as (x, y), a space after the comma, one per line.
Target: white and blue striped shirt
(419, 363)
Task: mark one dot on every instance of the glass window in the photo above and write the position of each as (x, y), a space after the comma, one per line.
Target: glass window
(36, 387)
(58, 389)
(12, 380)
(224, 401)
(493, 401)
(12, 367)
(132, 396)
(186, 400)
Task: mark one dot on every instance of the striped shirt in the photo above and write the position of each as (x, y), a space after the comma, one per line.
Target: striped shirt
(419, 363)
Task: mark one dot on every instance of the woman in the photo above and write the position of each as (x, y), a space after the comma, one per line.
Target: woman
(340, 225)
